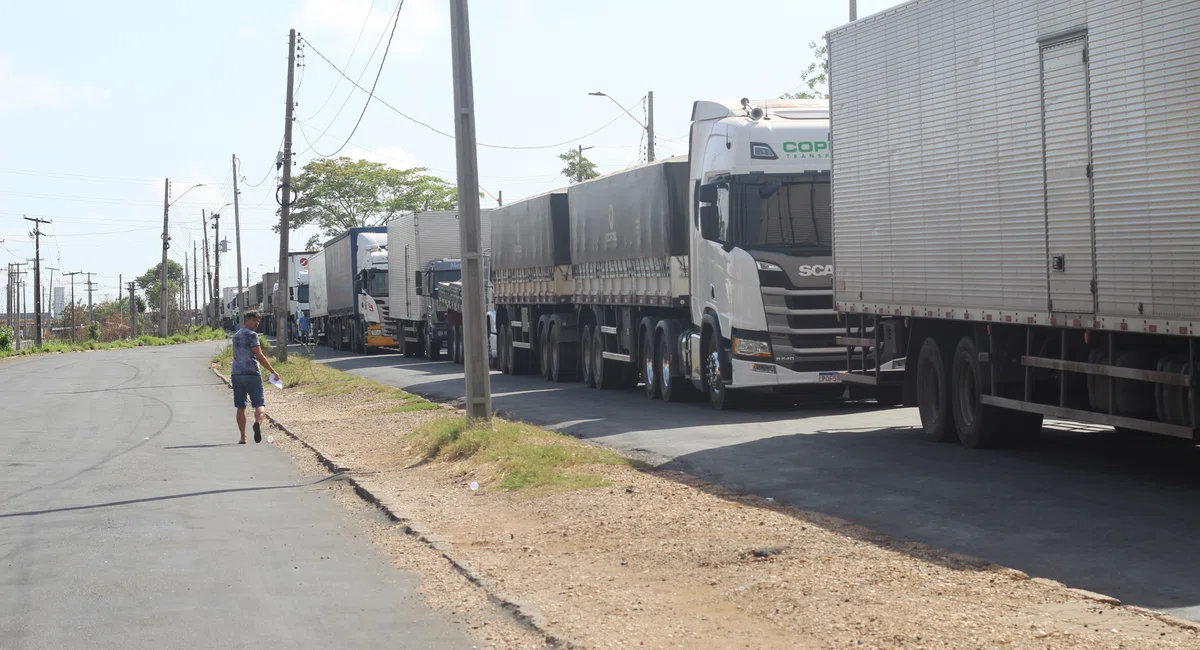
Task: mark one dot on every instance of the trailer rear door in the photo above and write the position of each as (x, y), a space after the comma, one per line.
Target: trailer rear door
(1067, 156)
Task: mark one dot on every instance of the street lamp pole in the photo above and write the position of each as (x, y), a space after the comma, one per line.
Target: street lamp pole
(649, 127)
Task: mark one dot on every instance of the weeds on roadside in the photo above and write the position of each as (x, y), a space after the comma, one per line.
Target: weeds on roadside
(192, 334)
(524, 456)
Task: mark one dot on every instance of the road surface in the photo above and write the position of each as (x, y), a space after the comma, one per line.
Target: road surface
(1079, 506)
(129, 518)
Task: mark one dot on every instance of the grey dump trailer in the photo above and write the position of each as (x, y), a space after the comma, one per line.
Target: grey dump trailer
(1017, 212)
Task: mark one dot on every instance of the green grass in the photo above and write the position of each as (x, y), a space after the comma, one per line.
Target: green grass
(191, 335)
(523, 455)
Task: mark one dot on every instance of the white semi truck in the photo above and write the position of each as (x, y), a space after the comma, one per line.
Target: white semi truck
(1017, 212)
(423, 252)
(710, 272)
(348, 287)
(298, 290)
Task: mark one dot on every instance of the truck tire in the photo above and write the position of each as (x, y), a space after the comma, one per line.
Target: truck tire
(360, 338)
(545, 352)
(719, 394)
(585, 356)
(933, 393)
(978, 426)
(562, 363)
(672, 384)
(336, 339)
(610, 375)
(460, 350)
(433, 347)
(649, 361)
(501, 349)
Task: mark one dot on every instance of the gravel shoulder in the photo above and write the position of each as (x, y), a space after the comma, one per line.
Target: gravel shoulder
(661, 559)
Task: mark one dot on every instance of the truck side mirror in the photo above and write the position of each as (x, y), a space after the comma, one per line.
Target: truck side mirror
(710, 222)
(708, 193)
(419, 283)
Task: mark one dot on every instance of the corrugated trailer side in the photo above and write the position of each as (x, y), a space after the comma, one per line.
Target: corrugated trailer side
(531, 250)
(317, 289)
(1017, 212)
(339, 273)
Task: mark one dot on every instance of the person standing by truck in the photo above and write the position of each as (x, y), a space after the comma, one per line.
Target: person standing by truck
(305, 326)
(246, 376)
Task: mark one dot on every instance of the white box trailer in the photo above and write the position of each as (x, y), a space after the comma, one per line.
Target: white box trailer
(318, 306)
(1016, 195)
(420, 243)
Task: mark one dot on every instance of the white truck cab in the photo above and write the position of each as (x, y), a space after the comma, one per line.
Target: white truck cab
(761, 245)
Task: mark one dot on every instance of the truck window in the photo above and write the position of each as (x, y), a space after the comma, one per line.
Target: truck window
(723, 207)
(377, 284)
(302, 293)
(794, 213)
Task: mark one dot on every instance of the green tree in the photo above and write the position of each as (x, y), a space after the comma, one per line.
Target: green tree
(577, 167)
(152, 286)
(814, 80)
(337, 194)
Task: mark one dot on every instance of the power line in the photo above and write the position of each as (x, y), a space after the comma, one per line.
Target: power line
(448, 135)
(349, 59)
(371, 94)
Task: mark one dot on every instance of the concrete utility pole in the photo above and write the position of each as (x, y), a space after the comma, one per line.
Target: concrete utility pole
(72, 275)
(120, 310)
(237, 232)
(90, 284)
(207, 275)
(285, 200)
(479, 394)
(133, 310)
(15, 283)
(37, 278)
(579, 169)
(166, 240)
(195, 282)
(650, 126)
(853, 10)
(216, 283)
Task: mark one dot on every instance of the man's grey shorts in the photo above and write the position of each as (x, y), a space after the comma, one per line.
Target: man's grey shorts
(248, 386)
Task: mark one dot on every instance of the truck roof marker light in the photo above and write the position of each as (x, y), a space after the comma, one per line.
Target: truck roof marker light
(762, 151)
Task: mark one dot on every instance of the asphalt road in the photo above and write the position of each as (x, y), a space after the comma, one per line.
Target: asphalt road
(129, 520)
(1079, 506)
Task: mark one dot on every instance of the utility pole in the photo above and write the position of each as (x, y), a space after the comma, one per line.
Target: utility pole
(195, 282)
(216, 282)
(90, 284)
(72, 275)
(133, 309)
(500, 198)
(166, 240)
(479, 394)
(285, 204)
(37, 278)
(237, 233)
(16, 283)
(207, 276)
(579, 169)
(650, 126)
(853, 10)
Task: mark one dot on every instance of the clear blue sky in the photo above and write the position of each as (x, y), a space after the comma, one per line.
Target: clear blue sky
(100, 101)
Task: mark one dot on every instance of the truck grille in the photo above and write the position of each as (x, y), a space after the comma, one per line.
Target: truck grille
(803, 325)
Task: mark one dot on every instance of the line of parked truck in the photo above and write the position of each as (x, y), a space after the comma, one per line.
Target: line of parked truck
(997, 219)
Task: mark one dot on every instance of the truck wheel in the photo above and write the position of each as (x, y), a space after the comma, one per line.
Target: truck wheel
(650, 375)
(501, 349)
(933, 393)
(561, 366)
(433, 347)
(585, 356)
(544, 357)
(336, 339)
(719, 395)
(978, 426)
(462, 345)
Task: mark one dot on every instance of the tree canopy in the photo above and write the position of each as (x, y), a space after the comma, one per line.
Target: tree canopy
(336, 194)
(149, 282)
(814, 80)
(577, 167)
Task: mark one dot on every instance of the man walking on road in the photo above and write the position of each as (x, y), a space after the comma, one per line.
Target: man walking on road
(246, 376)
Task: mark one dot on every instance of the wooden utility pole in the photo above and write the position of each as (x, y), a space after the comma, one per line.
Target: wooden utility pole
(90, 284)
(479, 396)
(237, 234)
(207, 275)
(216, 282)
(195, 282)
(37, 278)
(166, 240)
(285, 202)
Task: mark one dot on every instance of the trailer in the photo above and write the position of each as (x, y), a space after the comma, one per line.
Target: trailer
(318, 306)
(708, 273)
(423, 253)
(298, 290)
(450, 302)
(1017, 213)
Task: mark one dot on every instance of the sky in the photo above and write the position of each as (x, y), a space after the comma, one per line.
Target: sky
(100, 102)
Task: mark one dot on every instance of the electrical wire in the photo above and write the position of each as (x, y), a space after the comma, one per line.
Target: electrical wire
(349, 59)
(371, 94)
(448, 135)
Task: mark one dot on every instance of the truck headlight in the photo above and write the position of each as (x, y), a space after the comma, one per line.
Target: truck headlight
(767, 266)
(762, 151)
(751, 348)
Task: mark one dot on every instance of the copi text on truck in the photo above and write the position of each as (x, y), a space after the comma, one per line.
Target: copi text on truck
(711, 272)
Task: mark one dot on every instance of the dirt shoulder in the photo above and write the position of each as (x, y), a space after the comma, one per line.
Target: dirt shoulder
(660, 559)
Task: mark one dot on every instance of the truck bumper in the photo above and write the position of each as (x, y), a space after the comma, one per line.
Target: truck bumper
(760, 374)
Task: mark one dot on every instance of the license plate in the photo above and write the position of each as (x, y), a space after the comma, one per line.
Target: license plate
(831, 378)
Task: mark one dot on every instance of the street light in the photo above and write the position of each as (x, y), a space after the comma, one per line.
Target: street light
(648, 127)
(166, 237)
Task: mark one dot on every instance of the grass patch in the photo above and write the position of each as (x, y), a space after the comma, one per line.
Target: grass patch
(192, 335)
(523, 455)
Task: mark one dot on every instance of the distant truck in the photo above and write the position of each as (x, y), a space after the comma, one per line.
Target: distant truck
(710, 273)
(298, 290)
(423, 252)
(348, 307)
(1017, 213)
(450, 300)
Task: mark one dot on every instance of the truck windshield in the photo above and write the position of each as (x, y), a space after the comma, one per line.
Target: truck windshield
(377, 284)
(784, 212)
(302, 293)
(452, 275)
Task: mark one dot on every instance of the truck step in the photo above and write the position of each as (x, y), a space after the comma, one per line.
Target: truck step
(613, 356)
(605, 329)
